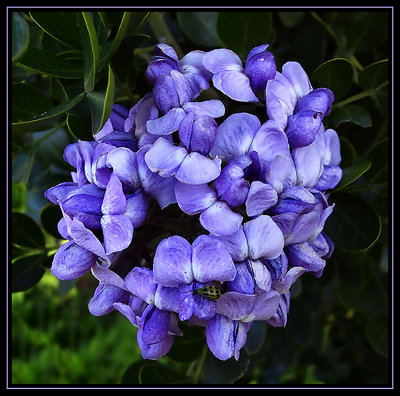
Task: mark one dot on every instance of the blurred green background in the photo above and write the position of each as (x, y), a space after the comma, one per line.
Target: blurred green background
(338, 330)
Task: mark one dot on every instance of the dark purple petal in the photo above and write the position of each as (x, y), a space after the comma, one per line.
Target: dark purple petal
(165, 93)
(193, 199)
(204, 308)
(318, 100)
(277, 266)
(330, 178)
(244, 280)
(71, 261)
(219, 219)
(172, 265)
(157, 350)
(211, 260)
(85, 208)
(117, 231)
(154, 325)
(302, 127)
(198, 169)
(260, 67)
(303, 255)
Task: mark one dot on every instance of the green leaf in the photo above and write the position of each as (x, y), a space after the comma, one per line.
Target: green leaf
(91, 50)
(379, 157)
(50, 215)
(241, 31)
(290, 18)
(335, 74)
(225, 372)
(47, 118)
(20, 36)
(352, 173)
(374, 75)
(80, 127)
(351, 113)
(18, 197)
(101, 103)
(22, 166)
(26, 271)
(200, 27)
(62, 26)
(27, 102)
(25, 231)
(42, 61)
(353, 224)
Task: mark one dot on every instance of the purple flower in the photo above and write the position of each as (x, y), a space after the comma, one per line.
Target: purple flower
(228, 75)
(180, 269)
(294, 106)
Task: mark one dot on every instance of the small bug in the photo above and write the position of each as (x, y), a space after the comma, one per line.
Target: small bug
(212, 291)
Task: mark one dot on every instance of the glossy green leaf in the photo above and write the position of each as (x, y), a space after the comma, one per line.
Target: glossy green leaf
(335, 74)
(200, 27)
(18, 196)
(62, 26)
(352, 173)
(26, 271)
(19, 36)
(48, 117)
(379, 157)
(351, 113)
(91, 50)
(225, 372)
(42, 61)
(374, 75)
(241, 31)
(80, 127)
(101, 103)
(28, 101)
(353, 224)
(25, 231)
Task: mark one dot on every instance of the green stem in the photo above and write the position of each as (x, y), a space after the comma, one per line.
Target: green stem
(354, 98)
(161, 31)
(200, 365)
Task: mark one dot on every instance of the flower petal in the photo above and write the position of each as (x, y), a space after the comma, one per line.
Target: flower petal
(193, 199)
(220, 336)
(117, 231)
(303, 255)
(264, 238)
(104, 298)
(236, 306)
(308, 163)
(198, 169)
(221, 59)
(220, 220)
(234, 84)
(211, 260)
(172, 265)
(114, 201)
(154, 324)
(166, 124)
(260, 198)
(71, 261)
(140, 282)
(165, 158)
(236, 244)
(294, 72)
(136, 207)
(235, 135)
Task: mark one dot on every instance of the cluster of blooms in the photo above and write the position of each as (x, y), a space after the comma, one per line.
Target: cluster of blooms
(258, 189)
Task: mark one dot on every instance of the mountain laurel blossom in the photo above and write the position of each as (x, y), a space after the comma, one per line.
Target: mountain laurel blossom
(239, 199)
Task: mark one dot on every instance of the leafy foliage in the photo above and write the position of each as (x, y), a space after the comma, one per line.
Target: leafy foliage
(69, 67)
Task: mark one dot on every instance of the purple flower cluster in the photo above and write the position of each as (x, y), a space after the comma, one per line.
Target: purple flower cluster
(257, 189)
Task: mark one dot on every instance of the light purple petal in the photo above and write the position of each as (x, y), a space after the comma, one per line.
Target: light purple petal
(157, 350)
(106, 276)
(104, 298)
(71, 261)
(198, 169)
(114, 201)
(172, 265)
(281, 173)
(211, 260)
(165, 158)
(127, 311)
(136, 207)
(140, 282)
(333, 148)
(124, 164)
(308, 163)
(265, 306)
(294, 72)
(264, 238)
(303, 255)
(261, 197)
(193, 199)
(234, 84)
(220, 336)
(213, 108)
(117, 231)
(236, 244)
(235, 135)
(154, 325)
(222, 59)
(166, 124)
(204, 308)
(160, 188)
(262, 276)
(168, 298)
(220, 220)
(236, 306)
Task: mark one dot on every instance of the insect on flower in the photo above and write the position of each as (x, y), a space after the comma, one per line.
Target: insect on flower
(212, 291)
